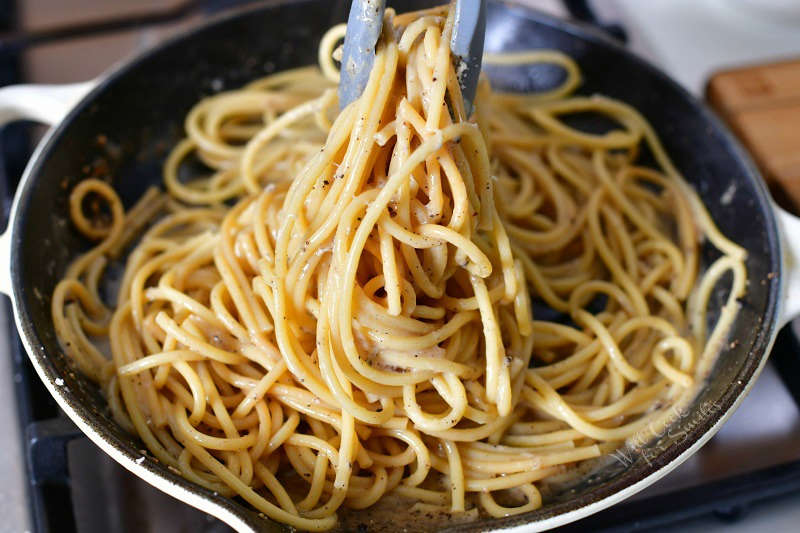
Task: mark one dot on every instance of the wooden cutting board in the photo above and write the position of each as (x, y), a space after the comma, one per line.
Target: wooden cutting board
(761, 103)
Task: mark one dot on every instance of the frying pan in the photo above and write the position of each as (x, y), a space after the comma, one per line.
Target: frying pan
(123, 123)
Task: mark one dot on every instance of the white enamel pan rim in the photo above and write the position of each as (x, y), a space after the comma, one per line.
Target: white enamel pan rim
(50, 104)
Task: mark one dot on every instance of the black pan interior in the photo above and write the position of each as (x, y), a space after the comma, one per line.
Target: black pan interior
(125, 127)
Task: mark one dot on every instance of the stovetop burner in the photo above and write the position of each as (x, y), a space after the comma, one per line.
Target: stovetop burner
(72, 486)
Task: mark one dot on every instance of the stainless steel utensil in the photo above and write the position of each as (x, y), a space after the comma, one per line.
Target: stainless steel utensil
(364, 29)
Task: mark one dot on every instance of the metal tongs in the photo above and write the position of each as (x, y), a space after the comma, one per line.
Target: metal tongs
(364, 27)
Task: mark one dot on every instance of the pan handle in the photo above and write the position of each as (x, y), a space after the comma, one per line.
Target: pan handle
(47, 104)
(790, 239)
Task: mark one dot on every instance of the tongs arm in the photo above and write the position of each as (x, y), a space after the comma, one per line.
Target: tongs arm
(466, 43)
(364, 27)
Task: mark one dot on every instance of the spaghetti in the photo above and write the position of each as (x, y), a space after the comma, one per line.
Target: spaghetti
(341, 309)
